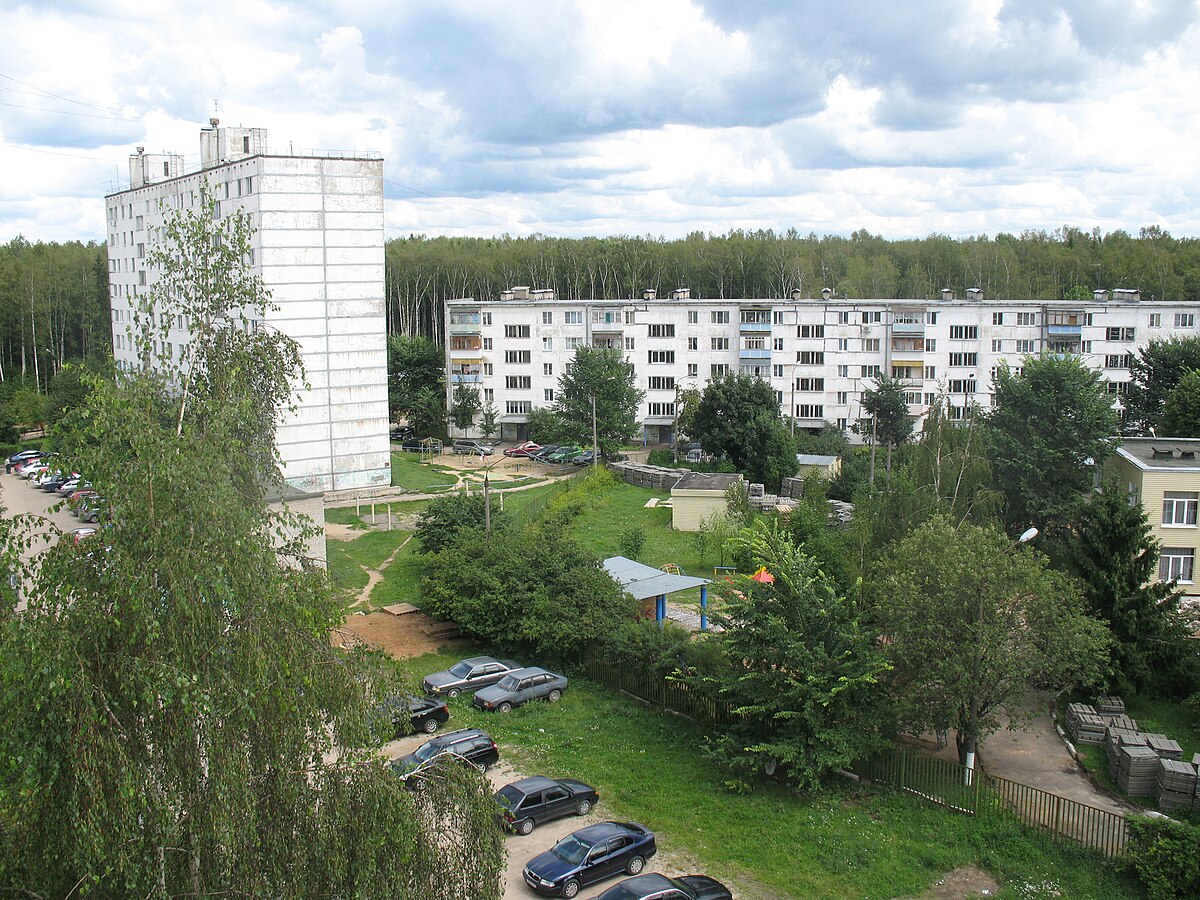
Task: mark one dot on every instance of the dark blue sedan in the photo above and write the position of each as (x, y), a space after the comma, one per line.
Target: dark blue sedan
(589, 855)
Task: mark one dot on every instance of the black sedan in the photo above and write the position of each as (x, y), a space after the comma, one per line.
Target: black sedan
(660, 887)
(532, 801)
(589, 855)
(410, 713)
(468, 676)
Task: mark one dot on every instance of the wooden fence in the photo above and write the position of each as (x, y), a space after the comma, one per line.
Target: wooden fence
(660, 692)
(946, 784)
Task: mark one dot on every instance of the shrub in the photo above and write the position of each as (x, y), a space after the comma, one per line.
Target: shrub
(441, 522)
(632, 542)
(661, 457)
(1164, 856)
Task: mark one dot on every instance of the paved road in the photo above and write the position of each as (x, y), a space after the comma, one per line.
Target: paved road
(18, 496)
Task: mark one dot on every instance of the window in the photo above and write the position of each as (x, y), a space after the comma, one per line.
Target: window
(810, 384)
(964, 332)
(246, 143)
(962, 386)
(870, 317)
(755, 317)
(518, 407)
(628, 343)
(811, 357)
(810, 331)
(964, 360)
(548, 395)
(997, 346)
(870, 345)
(906, 373)
(1185, 320)
(573, 317)
(720, 343)
(1026, 346)
(516, 331)
(870, 371)
(658, 357)
(1175, 564)
(777, 317)
(1156, 320)
(843, 371)
(776, 371)
(518, 382)
(844, 318)
(1179, 507)
(485, 318)
(717, 369)
(997, 318)
(843, 344)
(693, 317)
(1119, 334)
(487, 343)
(719, 317)
(573, 343)
(547, 318)
(662, 331)
(629, 316)
(547, 368)
(1117, 360)
(662, 382)
(777, 344)
(547, 343)
(1086, 346)
(843, 397)
(1026, 318)
(931, 318)
(693, 370)
(810, 411)
(516, 357)
(661, 409)
(488, 369)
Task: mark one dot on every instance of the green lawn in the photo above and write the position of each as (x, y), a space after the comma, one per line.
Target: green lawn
(410, 473)
(847, 842)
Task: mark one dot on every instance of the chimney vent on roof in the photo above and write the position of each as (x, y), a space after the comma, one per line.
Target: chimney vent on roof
(649, 294)
(1127, 295)
(1162, 453)
(826, 293)
(947, 293)
(975, 294)
(1187, 454)
(797, 295)
(681, 293)
(1100, 295)
(520, 292)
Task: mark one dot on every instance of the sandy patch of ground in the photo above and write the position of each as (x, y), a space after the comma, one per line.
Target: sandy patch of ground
(398, 636)
(966, 881)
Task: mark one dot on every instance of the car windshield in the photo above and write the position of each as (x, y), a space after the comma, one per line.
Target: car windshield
(427, 751)
(570, 850)
(508, 683)
(509, 797)
(462, 670)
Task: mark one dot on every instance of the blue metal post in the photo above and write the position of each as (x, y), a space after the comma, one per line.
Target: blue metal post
(660, 611)
(704, 607)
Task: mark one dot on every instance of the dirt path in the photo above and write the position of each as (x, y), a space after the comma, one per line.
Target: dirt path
(374, 576)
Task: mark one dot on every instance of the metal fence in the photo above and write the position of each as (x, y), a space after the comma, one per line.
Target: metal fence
(660, 692)
(946, 784)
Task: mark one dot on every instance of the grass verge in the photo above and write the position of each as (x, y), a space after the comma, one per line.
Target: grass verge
(410, 473)
(846, 842)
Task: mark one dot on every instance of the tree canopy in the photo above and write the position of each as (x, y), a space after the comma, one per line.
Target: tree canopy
(1155, 371)
(416, 383)
(603, 374)
(738, 416)
(1181, 411)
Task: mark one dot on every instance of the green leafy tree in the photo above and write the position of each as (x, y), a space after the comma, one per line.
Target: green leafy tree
(599, 379)
(465, 407)
(632, 541)
(1049, 427)
(444, 519)
(889, 422)
(829, 441)
(27, 407)
(1114, 555)
(738, 416)
(176, 719)
(488, 421)
(546, 426)
(800, 669)
(417, 382)
(973, 623)
(1155, 371)
(687, 401)
(1163, 853)
(1181, 411)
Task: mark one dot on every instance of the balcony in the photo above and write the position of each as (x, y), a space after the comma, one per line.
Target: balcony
(1068, 331)
(464, 378)
(464, 327)
(607, 320)
(755, 327)
(466, 352)
(913, 328)
(747, 353)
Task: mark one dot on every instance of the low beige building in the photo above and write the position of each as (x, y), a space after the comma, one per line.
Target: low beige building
(1163, 475)
(310, 505)
(825, 466)
(696, 496)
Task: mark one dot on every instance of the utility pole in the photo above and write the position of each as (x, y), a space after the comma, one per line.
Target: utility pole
(595, 440)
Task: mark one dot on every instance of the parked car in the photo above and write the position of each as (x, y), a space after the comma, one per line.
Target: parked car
(694, 456)
(525, 448)
(22, 457)
(472, 448)
(410, 713)
(470, 745)
(659, 887)
(520, 687)
(414, 445)
(532, 801)
(58, 479)
(93, 508)
(586, 458)
(402, 433)
(468, 675)
(541, 455)
(564, 454)
(31, 469)
(589, 855)
(76, 498)
(79, 535)
(68, 487)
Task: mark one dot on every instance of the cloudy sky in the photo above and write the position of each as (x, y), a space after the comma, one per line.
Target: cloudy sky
(661, 117)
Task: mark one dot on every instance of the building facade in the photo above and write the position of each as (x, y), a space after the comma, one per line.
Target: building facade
(318, 247)
(1163, 475)
(819, 355)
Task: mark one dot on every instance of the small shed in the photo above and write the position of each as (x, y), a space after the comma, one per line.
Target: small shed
(826, 466)
(643, 582)
(696, 496)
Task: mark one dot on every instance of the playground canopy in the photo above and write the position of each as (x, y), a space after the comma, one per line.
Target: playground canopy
(644, 582)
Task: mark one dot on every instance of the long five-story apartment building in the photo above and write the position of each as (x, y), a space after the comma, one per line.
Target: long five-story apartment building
(819, 355)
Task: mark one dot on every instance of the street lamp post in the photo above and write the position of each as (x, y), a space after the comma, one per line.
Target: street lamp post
(487, 497)
(973, 725)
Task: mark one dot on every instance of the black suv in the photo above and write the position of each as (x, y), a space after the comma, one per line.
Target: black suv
(532, 801)
(411, 713)
(469, 744)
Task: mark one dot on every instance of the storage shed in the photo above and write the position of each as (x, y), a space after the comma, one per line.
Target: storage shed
(826, 466)
(696, 496)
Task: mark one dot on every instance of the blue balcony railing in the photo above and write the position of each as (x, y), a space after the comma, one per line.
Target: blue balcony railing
(745, 353)
(458, 378)
(755, 326)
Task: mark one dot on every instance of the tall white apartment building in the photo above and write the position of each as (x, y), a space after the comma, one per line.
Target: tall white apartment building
(819, 355)
(318, 248)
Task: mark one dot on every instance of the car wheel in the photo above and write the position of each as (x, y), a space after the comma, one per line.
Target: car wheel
(524, 826)
(583, 807)
(570, 889)
(453, 692)
(429, 726)
(482, 766)
(504, 707)
(554, 695)
(635, 865)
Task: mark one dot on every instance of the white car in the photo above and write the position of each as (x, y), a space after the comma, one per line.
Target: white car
(32, 470)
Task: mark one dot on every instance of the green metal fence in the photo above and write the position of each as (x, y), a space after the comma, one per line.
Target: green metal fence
(660, 692)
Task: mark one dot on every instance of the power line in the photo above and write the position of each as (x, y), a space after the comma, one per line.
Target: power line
(484, 212)
(64, 112)
(103, 159)
(34, 87)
